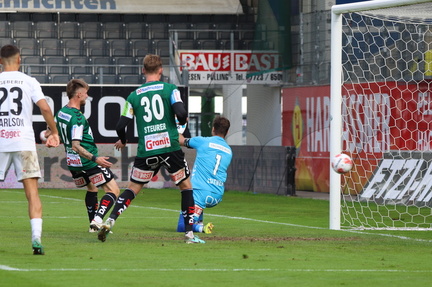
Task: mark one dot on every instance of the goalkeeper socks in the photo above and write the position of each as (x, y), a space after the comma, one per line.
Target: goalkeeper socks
(91, 202)
(105, 204)
(187, 208)
(181, 225)
(123, 202)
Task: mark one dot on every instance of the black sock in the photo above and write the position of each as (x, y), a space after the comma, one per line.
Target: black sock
(91, 202)
(123, 202)
(187, 207)
(105, 204)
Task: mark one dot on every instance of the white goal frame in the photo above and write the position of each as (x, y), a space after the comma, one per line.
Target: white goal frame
(336, 90)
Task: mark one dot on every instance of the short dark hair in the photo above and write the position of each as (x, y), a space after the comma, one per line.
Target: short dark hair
(152, 63)
(8, 51)
(221, 125)
(73, 85)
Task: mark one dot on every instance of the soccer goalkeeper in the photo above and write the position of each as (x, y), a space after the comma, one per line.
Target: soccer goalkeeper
(209, 172)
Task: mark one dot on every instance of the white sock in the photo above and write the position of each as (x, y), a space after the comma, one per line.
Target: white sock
(36, 228)
(98, 219)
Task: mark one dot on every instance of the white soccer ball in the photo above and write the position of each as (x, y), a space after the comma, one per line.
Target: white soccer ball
(42, 136)
(341, 163)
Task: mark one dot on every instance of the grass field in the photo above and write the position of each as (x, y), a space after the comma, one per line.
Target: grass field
(258, 240)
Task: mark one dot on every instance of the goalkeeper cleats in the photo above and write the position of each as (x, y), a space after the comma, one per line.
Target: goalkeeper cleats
(192, 239)
(37, 247)
(106, 229)
(208, 228)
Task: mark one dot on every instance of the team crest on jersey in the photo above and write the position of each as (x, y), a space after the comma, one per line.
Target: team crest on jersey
(157, 141)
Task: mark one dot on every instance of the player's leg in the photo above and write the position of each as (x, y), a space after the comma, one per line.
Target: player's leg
(196, 227)
(28, 172)
(141, 174)
(103, 177)
(178, 169)
(91, 201)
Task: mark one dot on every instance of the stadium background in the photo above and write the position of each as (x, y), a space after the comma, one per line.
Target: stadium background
(103, 42)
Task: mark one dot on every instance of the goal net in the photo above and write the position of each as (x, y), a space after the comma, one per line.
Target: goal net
(381, 109)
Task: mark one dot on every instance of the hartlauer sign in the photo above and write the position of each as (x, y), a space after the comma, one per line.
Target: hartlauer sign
(233, 67)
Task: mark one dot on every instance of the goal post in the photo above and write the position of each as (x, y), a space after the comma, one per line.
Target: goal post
(381, 86)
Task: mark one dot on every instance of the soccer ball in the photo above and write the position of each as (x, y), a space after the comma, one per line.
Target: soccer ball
(342, 163)
(42, 136)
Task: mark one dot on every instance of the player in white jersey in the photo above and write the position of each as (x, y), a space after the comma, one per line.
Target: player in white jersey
(209, 172)
(18, 92)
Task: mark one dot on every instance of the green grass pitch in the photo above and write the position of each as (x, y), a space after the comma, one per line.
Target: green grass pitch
(258, 240)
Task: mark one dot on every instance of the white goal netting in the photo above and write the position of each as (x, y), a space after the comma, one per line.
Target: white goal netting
(387, 118)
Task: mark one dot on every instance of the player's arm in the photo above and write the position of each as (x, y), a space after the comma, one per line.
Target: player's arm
(121, 128)
(184, 141)
(100, 160)
(126, 117)
(53, 139)
(178, 107)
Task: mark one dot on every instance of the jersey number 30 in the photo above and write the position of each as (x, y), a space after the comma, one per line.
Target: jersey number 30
(154, 108)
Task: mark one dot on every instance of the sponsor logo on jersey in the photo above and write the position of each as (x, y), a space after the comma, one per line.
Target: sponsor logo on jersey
(73, 161)
(149, 89)
(64, 116)
(220, 147)
(157, 141)
(9, 134)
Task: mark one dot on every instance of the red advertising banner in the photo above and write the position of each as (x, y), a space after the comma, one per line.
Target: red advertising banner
(377, 118)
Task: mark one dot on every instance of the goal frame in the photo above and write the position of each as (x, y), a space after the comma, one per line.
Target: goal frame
(336, 82)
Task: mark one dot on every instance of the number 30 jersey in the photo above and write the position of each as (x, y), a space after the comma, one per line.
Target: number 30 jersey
(150, 104)
(18, 92)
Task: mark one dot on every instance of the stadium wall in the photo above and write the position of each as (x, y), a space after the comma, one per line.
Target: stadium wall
(254, 169)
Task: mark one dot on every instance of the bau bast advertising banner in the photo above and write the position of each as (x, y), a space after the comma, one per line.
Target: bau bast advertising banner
(378, 119)
(230, 67)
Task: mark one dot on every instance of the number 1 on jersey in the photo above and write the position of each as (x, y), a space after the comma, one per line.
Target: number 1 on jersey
(218, 160)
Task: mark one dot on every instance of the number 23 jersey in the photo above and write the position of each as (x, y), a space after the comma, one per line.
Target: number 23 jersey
(18, 92)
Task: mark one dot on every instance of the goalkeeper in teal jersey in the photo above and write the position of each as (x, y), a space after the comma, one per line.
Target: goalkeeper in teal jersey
(155, 106)
(209, 172)
(87, 167)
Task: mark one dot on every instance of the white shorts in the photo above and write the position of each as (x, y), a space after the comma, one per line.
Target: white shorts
(26, 164)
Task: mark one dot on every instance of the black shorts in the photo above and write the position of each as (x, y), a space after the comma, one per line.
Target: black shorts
(97, 175)
(145, 168)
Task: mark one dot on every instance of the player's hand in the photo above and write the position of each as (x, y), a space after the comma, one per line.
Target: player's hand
(119, 145)
(53, 140)
(103, 161)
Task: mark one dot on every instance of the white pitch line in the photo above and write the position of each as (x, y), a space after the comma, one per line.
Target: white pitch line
(9, 268)
(258, 220)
